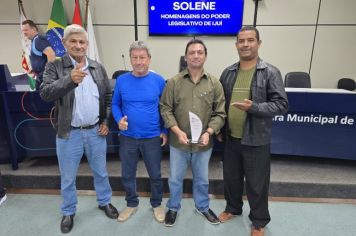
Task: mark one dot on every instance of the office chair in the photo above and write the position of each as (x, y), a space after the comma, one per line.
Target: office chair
(297, 80)
(346, 83)
(118, 73)
(112, 83)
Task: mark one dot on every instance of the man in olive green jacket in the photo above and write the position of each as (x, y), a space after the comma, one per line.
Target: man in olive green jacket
(193, 90)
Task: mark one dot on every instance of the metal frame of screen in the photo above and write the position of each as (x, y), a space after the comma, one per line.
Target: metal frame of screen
(195, 17)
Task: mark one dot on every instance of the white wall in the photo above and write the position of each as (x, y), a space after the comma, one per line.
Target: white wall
(288, 29)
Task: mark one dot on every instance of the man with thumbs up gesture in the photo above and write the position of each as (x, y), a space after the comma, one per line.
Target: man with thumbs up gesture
(135, 107)
(123, 124)
(80, 90)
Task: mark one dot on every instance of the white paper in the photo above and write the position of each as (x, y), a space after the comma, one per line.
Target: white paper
(22, 87)
(196, 127)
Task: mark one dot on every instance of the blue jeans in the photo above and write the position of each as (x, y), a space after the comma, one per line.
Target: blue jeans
(150, 149)
(69, 153)
(179, 160)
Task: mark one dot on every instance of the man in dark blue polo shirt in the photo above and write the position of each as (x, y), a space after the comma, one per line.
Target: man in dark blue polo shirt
(41, 50)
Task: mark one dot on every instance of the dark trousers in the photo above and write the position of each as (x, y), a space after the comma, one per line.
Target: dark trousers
(253, 164)
(2, 190)
(150, 149)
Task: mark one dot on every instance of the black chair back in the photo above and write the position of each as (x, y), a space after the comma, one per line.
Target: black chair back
(118, 73)
(112, 83)
(182, 64)
(297, 80)
(346, 83)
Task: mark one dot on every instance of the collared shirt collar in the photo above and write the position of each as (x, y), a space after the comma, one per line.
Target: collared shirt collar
(35, 36)
(186, 75)
(261, 64)
(74, 62)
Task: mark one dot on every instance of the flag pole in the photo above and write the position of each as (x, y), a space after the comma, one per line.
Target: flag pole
(86, 13)
(21, 8)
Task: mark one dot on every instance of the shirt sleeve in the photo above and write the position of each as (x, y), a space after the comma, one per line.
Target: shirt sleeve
(277, 101)
(162, 86)
(54, 87)
(116, 105)
(167, 105)
(218, 115)
(41, 43)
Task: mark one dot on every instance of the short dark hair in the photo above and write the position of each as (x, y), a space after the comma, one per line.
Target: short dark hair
(196, 41)
(249, 28)
(30, 23)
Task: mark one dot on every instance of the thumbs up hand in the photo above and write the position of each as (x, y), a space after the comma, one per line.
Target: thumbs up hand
(123, 124)
(77, 74)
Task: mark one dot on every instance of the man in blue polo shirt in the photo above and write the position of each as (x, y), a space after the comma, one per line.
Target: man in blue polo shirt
(135, 107)
(41, 50)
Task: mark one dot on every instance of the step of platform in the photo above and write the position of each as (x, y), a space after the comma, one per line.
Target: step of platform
(290, 176)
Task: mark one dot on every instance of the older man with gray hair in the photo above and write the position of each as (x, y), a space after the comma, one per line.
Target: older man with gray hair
(80, 90)
(135, 107)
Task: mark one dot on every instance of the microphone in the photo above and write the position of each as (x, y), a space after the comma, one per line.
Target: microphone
(123, 59)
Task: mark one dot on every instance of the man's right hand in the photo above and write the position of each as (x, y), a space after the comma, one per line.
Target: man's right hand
(245, 105)
(182, 138)
(123, 124)
(77, 74)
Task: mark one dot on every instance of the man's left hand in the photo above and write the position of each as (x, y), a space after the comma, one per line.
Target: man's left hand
(164, 138)
(245, 105)
(103, 130)
(204, 139)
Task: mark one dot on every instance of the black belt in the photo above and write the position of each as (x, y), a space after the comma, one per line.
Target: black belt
(85, 126)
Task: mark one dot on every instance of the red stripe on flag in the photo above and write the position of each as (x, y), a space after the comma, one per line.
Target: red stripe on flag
(25, 64)
(77, 19)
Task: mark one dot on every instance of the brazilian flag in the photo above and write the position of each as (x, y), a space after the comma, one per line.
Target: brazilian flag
(55, 28)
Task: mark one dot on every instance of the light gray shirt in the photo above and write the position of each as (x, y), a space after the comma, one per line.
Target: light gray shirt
(86, 100)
